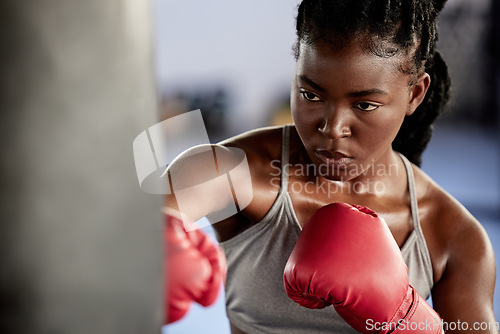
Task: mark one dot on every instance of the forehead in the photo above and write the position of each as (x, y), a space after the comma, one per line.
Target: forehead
(350, 65)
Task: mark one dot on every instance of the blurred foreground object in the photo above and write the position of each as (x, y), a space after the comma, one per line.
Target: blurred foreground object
(81, 244)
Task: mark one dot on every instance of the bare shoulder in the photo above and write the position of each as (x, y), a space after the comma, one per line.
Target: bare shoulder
(461, 252)
(262, 143)
(447, 222)
(263, 152)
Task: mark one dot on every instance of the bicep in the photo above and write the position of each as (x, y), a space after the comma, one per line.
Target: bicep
(464, 295)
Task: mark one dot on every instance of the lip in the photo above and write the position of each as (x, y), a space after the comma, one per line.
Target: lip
(335, 159)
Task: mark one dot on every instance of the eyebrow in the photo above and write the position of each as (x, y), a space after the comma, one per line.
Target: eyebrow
(366, 92)
(311, 83)
(373, 91)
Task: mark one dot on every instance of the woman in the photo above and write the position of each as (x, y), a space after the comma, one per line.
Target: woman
(368, 85)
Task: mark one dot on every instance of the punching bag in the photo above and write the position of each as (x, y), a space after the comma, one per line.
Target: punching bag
(80, 243)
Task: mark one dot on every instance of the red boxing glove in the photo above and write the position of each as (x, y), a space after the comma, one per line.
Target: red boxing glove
(347, 256)
(195, 268)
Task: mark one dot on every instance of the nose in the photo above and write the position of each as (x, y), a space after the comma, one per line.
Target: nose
(335, 124)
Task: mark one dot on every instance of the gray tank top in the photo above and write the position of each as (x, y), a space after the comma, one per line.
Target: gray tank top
(256, 301)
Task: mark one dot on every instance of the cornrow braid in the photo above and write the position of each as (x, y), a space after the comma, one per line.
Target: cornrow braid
(407, 27)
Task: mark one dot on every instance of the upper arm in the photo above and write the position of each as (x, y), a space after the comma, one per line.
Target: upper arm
(463, 297)
(208, 180)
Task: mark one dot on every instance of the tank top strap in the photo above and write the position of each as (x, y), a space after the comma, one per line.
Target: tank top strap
(413, 194)
(285, 156)
(416, 221)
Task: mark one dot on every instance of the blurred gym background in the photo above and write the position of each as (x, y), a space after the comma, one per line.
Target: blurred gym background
(81, 244)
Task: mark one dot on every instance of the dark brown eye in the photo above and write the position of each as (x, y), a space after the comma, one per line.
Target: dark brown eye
(310, 96)
(365, 106)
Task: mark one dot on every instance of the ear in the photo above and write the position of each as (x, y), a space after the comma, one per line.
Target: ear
(417, 92)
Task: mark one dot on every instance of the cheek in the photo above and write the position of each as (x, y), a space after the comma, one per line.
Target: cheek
(304, 120)
(390, 119)
(378, 130)
(388, 126)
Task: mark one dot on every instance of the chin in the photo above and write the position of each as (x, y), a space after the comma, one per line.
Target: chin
(338, 178)
(338, 175)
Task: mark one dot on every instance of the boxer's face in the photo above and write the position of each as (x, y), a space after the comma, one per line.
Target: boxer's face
(348, 106)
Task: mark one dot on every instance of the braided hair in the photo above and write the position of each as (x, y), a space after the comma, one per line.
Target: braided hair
(388, 27)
